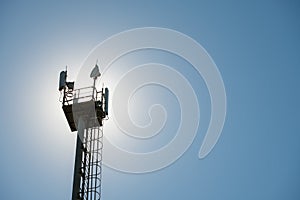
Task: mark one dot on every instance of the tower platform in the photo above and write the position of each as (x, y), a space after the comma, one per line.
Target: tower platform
(86, 103)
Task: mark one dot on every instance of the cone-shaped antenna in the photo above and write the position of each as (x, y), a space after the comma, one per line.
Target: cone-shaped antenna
(95, 72)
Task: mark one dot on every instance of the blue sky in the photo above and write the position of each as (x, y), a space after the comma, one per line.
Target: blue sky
(255, 45)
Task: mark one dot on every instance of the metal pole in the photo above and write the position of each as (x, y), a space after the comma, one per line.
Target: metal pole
(94, 88)
(78, 160)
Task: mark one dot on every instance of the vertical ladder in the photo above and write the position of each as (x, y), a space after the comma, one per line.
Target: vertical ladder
(88, 165)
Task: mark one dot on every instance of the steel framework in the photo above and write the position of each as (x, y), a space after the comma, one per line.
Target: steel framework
(85, 109)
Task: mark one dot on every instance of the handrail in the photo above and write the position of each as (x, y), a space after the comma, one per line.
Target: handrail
(81, 94)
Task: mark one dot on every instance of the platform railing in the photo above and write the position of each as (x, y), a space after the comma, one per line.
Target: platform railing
(80, 95)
